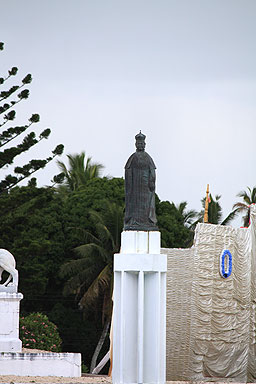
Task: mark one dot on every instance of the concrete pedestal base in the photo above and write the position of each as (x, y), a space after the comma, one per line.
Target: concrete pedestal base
(41, 364)
(13, 362)
(139, 339)
(9, 322)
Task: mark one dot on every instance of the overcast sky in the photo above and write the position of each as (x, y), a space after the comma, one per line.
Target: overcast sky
(182, 71)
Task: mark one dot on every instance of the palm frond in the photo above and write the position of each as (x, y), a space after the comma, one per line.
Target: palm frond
(91, 248)
(230, 217)
(79, 282)
(248, 199)
(87, 236)
(102, 281)
(240, 207)
(74, 267)
(181, 207)
(78, 174)
(253, 196)
(94, 279)
(244, 195)
(72, 286)
(62, 167)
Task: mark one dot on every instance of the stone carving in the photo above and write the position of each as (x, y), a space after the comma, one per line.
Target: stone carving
(140, 190)
(8, 264)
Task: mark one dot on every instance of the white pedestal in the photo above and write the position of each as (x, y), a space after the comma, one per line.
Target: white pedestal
(9, 322)
(13, 362)
(139, 320)
(41, 364)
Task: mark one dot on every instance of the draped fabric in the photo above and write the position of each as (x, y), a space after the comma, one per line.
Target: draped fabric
(211, 319)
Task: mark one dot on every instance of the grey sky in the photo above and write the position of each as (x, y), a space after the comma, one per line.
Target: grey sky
(184, 72)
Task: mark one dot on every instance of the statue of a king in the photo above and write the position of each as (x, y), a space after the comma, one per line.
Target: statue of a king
(140, 189)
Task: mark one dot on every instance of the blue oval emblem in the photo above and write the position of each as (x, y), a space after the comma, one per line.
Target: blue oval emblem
(226, 272)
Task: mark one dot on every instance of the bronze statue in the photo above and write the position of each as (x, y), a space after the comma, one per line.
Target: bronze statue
(140, 179)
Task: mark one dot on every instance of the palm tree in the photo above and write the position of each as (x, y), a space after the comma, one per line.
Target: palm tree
(215, 212)
(79, 171)
(188, 216)
(91, 275)
(249, 198)
(214, 209)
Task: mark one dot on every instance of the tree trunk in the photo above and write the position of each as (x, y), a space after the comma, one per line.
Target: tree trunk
(99, 345)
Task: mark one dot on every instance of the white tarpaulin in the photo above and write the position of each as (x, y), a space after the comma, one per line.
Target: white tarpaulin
(211, 319)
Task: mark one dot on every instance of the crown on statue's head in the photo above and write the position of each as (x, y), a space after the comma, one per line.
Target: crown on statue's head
(140, 136)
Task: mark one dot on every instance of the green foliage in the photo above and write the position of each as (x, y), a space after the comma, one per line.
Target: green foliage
(37, 226)
(248, 198)
(77, 334)
(41, 229)
(8, 155)
(189, 216)
(92, 197)
(32, 228)
(91, 274)
(37, 332)
(85, 369)
(79, 172)
(170, 222)
(214, 209)
(100, 190)
(215, 212)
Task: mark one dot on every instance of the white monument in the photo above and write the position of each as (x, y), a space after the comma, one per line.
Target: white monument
(139, 340)
(9, 305)
(139, 313)
(12, 360)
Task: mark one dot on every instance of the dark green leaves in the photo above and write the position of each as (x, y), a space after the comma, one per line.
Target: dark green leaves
(8, 156)
(58, 179)
(23, 94)
(4, 107)
(58, 150)
(45, 134)
(35, 118)
(5, 94)
(10, 115)
(27, 79)
(13, 71)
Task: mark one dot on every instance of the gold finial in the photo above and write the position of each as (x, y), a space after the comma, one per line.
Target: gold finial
(206, 205)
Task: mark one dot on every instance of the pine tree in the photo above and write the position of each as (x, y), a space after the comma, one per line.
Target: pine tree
(8, 132)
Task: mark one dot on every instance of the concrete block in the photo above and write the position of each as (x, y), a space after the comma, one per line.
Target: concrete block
(140, 242)
(41, 364)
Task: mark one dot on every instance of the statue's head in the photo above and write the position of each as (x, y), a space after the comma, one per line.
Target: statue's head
(140, 142)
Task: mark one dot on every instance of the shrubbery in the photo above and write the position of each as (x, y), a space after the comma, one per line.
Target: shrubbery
(37, 332)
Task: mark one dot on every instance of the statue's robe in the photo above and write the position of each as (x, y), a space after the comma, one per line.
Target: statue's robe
(140, 193)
